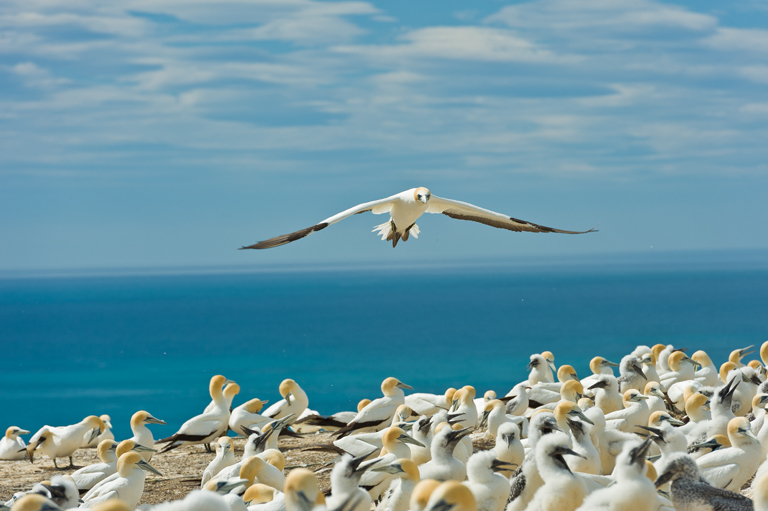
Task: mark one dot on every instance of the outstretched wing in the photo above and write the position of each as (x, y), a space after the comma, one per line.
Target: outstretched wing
(376, 207)
(464, 211)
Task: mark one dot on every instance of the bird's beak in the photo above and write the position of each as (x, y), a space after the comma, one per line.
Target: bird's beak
(225, 487)
(23, 432)
(565, 450)
(609, 363)
(408, 440)
(453, 418)
(402, 385)
(142, 448)
(639, 370)
(529, 366)
(146, 466)
(227, 382)
(394, 468)
(288, 398)
(484, 419)
(498, 465)
(711, 444)
(153, 420)
(743, 352)
(663, 478)
(94, 433)
(456, 435)
(637, 455)
(598, 385)
(672, 420)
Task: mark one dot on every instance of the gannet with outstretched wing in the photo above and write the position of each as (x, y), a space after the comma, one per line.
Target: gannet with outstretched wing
(405, 208)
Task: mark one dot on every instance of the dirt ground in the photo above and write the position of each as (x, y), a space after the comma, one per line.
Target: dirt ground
(182, 468)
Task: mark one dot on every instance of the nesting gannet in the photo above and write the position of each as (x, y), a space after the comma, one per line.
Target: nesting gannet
(720, 408)
(422, 434)
(689, 491)
(429, 404)
(607, 396)
(451, 495)
(204, 428)
(106, 435)
(526, 480)
(743, 395)
(345, 478)
(712, 444)
(489, 488)
(225, 457)
(12, 446)
(379, 411)
(61, 490)
(260, 497)
(632, 489)
(681, 368)
(679, 392)
(737, 355)
(631, 374)
(463, 409)
(480, 402)
(301, 491)
(539, 370)
(707, 375)
(670, 441)
(731, 467)
(62, 442)
(396, 443)
(655, 397)
(123, 447)
(444, 466)
(405, 208)
(562, 490)
(758, 409)
(34, 502)
(128, 487)
(294, 401)
(494, 415)
(86, 477)
(635, 413)
(142, 434)
(598, 366)
(517, 400)
(253, 469)
(508, 447)
(398, 495)
(570, 391)
(648, 361)
(333, 422)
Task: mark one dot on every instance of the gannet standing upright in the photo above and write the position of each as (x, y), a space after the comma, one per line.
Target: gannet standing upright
(631, 374)
(225, 457)
(405, 208)
(508, 447)
(562, 490)
(444, 466)
(142, 435)
(345, 478)
(489, 488)
(294, 401)
(12, 446)
(62, 442)
(526, 481)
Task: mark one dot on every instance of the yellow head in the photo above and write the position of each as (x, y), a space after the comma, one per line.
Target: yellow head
(566, 373)
(258, 494)
(362, 404)
(421, 493)
(702, 358)
(231, 390)
(726, 368)
(650, 471)
(103, 449)
(95, 422)
(657, 349)
(453, 495)
(572, 390)
(695, 402)
(275, 458)
(675, 360)
(422, 195)
(254, 405)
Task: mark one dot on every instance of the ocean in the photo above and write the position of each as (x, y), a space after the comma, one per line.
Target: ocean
(114, 343)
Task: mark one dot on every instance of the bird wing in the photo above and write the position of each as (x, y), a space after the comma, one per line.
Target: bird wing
(376, 207)
(465, 211)
(721, 476)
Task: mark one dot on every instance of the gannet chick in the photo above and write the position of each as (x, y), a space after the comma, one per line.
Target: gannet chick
(128, 487)
(731, 467)
(632, 489)
(758, 409)
(345, 478)
(670, 441)
(451, 495)
(106, 435)
(527, 479)
(294, 401)
(508, 447)
(197, 500)
(86, 477)
(204, 428)
(540, 371)
(635, 413)
(489, 488)
(34, 502)
(741, 404)
(225, 457)
(429, 404)
(607, 396)
(142, 434)
(60, 489)
(421, 433)
(516, 400)
(379, 411)
(12, 446)
(444, 466)
(631, 374)
(398, 495)
(562, 490)
(707, 375)
(62, 442)
(689, 491)
(648, 361)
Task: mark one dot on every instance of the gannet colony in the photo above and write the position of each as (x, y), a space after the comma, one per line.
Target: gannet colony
(668, 432)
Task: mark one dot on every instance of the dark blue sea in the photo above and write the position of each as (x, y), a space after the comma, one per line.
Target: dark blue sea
(75, 344)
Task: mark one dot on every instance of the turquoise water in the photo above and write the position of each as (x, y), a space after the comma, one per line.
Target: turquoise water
(80, 345)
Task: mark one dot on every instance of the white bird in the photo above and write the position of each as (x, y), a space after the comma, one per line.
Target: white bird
(142, 434)
(301, 490)
(12, 446)
(62, 442)
(225, 457)
(128, 487)
(527, 480)
(106, 435)
(261, 497)
(405, 208)
(489, 488)
(451, 495)
(731, 467)
(395, 442)
(598, 366)
(204, 428)
(248, 415)
(508, 447)
(562, 490)
(607, 396)
(708, 374)
(635, 413)
(631, 374)
(398, 495)
(429, 404)
(294, 401)
(632, 489)
(86, 477)
(378, 413)
(345, 478)
(444, 466)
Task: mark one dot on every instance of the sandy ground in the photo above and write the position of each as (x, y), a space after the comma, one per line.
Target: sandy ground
(181, 468)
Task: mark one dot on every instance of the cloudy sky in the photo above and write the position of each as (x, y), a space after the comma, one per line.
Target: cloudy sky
(171, 132)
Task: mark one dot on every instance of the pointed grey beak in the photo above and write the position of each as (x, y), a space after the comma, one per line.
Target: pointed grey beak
(498, 465)
(94, 433)
(146, 466)
(403, 386)
(141, 448)
(408, 440)
(609, 363)
(153, 420)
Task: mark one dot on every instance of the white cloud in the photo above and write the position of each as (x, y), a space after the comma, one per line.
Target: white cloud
(739, 39)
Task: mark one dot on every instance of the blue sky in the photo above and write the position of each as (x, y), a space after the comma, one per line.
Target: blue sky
(171, 132)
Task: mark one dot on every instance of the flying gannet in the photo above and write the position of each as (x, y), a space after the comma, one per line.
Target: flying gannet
(405, 208)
